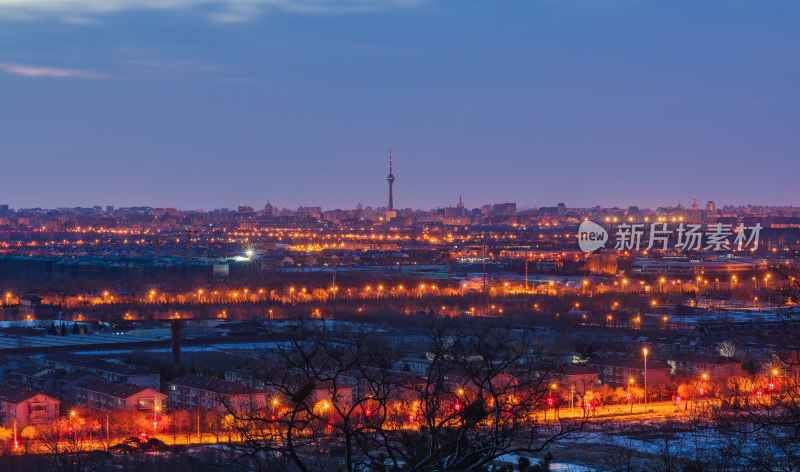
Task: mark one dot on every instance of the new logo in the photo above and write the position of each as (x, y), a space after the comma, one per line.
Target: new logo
(591, 236)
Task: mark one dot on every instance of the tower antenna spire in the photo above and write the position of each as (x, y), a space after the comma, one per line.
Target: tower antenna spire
(390, 179)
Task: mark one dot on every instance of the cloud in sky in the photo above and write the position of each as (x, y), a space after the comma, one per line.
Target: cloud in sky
(27, 70)
(81, 11)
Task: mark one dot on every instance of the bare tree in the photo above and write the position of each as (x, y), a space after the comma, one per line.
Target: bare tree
(339, 402)
(759, 420)
(69, 448)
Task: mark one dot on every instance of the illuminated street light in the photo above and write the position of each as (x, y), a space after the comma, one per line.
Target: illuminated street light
(645, 376)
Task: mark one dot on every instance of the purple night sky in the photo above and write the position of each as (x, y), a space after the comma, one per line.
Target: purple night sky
(212, 103)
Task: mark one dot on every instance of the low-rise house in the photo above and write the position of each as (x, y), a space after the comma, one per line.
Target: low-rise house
(698, 364)
(617, 371)
(22, 406)
(31, 306)
(103, 395)
(788, 366)
(578, 379)
(414, 365)
(331, 391)
(193, 391)
(363, 383)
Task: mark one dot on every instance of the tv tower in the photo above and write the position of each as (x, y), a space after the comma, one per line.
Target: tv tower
(390, 179)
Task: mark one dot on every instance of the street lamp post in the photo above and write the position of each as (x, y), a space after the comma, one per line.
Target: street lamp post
(772, 381)
(704, 387)
(630, 394)
(645, 379)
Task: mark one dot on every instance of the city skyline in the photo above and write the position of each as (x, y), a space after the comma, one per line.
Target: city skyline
(534, 102)
(680, 204)
(702, 205)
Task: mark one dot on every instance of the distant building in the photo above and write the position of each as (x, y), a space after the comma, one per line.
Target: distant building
(789, 366)
(31, 306)
(505, 209)
(110, 371)
(414, 365)
(34, 376)
(7, 363)
(577, 379)
(693, 365)
(693, 268)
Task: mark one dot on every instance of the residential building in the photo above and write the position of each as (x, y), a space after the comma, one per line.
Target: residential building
(698, 364)
(23, 406)
(577, 379)
(110, 371)
(194, 391)
(103, 395)
(617, 372)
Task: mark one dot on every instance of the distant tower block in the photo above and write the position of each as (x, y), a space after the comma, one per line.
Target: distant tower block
(390, 179)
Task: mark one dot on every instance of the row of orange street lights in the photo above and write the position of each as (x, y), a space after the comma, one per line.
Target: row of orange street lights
(325, 406)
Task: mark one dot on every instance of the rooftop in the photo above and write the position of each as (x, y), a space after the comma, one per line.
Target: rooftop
(209, 384)
(16, 393)
(113, 389)
(628, 363)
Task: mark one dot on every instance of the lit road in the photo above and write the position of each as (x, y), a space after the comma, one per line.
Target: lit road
(624, 412)
(613, 413)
